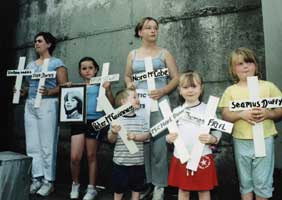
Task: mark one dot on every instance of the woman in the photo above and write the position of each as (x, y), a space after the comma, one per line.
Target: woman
(41, 126)
(156, 155)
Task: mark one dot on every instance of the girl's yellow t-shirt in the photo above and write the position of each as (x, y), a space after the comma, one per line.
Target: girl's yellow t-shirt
(241, 128)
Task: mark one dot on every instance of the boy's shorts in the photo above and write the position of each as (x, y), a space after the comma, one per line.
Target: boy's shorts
(255, 174)
(88, 130)
(128, 177)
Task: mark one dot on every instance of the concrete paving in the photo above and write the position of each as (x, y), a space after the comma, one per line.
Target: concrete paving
(62, 192)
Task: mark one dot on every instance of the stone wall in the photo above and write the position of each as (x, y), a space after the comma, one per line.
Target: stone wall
(200, 35)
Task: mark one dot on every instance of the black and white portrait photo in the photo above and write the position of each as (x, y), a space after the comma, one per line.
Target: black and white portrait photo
(72, 104)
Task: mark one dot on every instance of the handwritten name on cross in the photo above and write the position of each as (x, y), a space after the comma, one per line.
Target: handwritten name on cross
(194, 118)
(198, 148)
(170, 123)
(101, 79)
(42, 77)
(112, 116)
(255, 101)
(19, 73)
(150, 76)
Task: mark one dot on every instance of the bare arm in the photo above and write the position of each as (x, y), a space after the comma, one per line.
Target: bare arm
(263, 114)
(171, 137)
(138, 137)
(113, 133)
(252, 116)
(230, 115)
(173, 71)
(212, 138)
(24, 89)
(128, 73)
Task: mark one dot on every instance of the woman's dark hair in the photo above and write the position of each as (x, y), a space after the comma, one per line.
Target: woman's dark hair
(49, 38)
(88, 59)
(141, 23)
(77, 97)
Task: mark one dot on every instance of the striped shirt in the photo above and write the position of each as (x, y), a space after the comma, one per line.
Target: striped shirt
(133, 124)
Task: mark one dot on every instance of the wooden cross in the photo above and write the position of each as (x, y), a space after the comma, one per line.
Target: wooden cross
(207, 121)
(19, 73)
(169, 122)
(101, 79)
(198, 148)
(112, 116)
(42, 77)
(255, 101)
(194, 118)
(150, 76)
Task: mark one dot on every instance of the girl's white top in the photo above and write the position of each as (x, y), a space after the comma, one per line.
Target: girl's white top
(190, 130)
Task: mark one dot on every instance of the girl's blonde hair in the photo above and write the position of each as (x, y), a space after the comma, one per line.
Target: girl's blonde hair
(248, 56)
(188, 79)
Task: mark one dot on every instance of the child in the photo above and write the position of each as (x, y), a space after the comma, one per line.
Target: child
(255, 174)
(205, 178)
(128, 169)
(84, 134)
(73, 105)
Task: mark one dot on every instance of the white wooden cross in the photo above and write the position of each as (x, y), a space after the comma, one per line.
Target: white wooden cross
(170, 123)
(42, 77)
(194, 118)
(19, 73)
(209, 119)
(101, 79)
(112, 116)
(150, 76)
(256, 101)
(198, 148)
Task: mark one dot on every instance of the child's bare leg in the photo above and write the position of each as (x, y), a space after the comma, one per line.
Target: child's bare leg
(118, 196)
(204, 195)
(135, 195)
(77, 147)
(247, 196)
(183, 194)
(260, 198)
(91, 146)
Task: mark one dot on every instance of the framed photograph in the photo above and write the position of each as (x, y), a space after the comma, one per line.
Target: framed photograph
(72, 103)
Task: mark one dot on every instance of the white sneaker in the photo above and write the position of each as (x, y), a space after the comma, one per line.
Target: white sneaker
(158, 193)
(46, 188)
(35, 186)
(74, 194)
(91, 193)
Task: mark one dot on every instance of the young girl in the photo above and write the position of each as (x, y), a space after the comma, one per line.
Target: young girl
(84, 134)
(255, 174)
(205, 178)
(156, 153)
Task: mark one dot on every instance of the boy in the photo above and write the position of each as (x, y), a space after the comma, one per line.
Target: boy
(128, 169)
